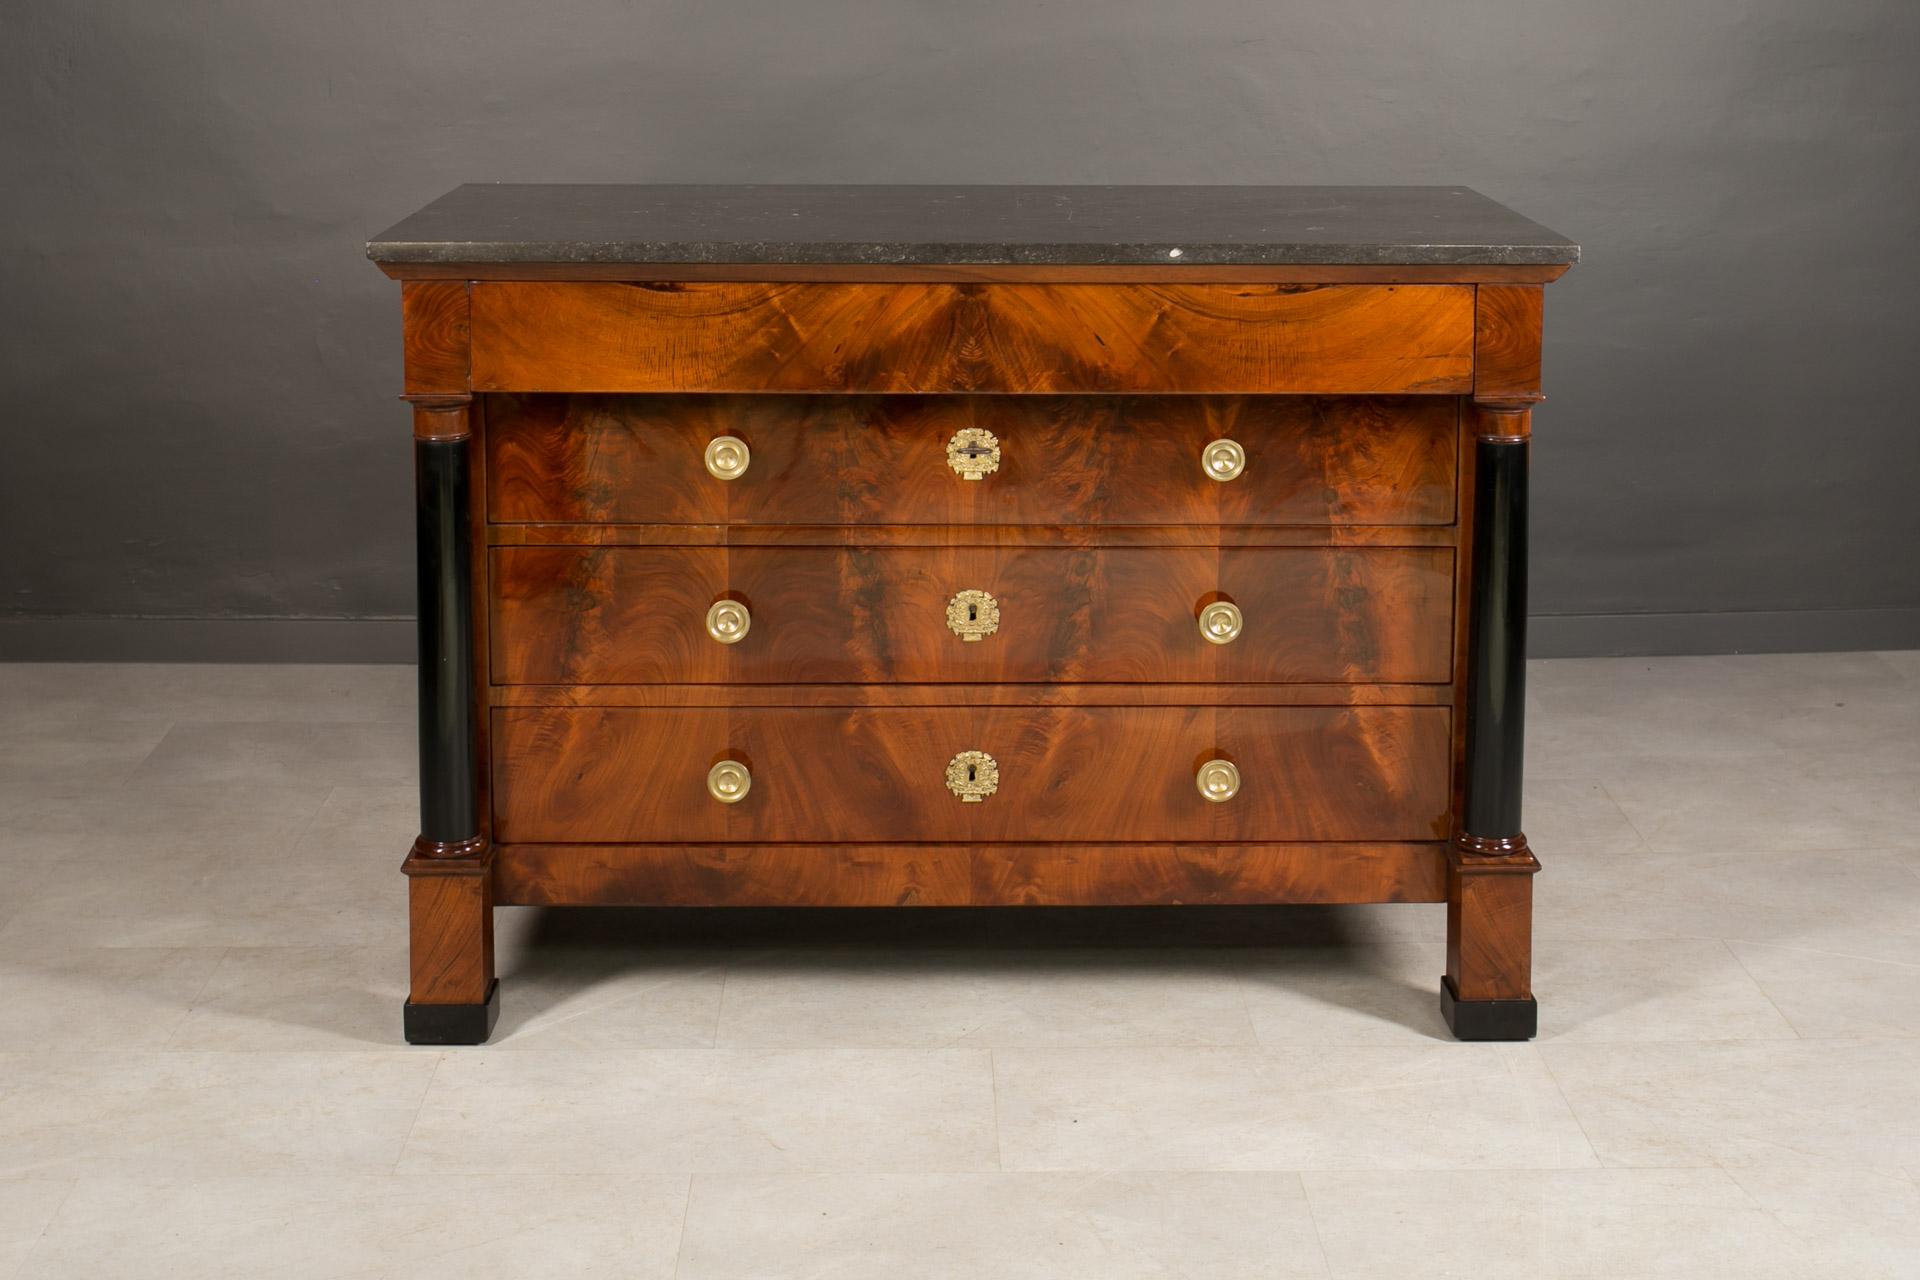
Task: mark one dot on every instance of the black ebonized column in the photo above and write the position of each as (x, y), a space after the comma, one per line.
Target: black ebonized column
(449, 808)
(1497, 649)
(1488, 993)
(454, 997)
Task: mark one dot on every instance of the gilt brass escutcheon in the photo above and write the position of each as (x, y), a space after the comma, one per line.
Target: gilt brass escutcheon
(1223, 459)
(972, 615)
(1218, 781)
(973, 776)
(727, 457)
(728, 782)
(973, 452)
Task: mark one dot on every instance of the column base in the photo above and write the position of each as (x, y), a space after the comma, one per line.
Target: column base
(1488, 1019)
(453, 1023)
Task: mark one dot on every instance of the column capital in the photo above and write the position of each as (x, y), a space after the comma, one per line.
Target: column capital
(441, 417)
(1505, 419)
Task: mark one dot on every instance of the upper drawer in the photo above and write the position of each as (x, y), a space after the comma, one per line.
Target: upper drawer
(1093, 460)
(922, 338)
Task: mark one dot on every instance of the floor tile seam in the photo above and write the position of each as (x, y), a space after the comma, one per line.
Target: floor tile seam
(172, 724)
(300, 825)
(1696, 852)
(1864, 846)
(329, 1050)
(534, 1026)
(194, 1001)
(1628, 939)
(1732, 1042)
(394, 946)
(308, 823)
(1638, 834)
(1625, 939)
(34, 1249)
(1753, 1201)
(686, 1217)
(1907, 854)
(1573, 1112)
(253, 757)
(1539, 1170)
(1880, 656)
(720, 1005)
(1595, 1164)
(626, 1054)
(394, 1053)
(770, 1048)
(1437, 1047)
(993, 1097)
(1239, 967)
(1313, 1220)
(1816, 951)
(1789, 1036)
(305, 722)
(811, 1173)
(1766, 995)
(185, 1178)
(420, 1109)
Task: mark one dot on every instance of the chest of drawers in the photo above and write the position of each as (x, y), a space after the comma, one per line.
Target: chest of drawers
(971, 546)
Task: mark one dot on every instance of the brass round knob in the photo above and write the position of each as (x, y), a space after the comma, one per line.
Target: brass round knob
(1220, 622)
(727, 457)
(728, 621)
(1223, 459)
(1218, 781)
(728, 782)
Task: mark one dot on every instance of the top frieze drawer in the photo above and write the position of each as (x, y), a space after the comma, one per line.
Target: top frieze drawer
(1370, 339)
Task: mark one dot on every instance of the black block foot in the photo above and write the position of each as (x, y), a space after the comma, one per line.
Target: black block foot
(453, 1023)
(1488, 1019)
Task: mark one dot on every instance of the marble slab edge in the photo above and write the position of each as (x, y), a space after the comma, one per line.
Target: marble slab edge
(768, 253)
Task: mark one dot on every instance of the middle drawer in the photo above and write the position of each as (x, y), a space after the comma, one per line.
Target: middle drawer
(834, 615)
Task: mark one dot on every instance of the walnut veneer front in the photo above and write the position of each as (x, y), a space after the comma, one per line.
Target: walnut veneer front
(580, 541)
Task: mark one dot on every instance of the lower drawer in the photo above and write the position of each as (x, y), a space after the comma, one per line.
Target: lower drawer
(625, 774)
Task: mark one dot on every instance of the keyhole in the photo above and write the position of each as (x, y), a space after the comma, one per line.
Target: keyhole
(972, 773)
(973, 613)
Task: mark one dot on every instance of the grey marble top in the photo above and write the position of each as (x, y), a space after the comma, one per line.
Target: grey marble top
(896, 225)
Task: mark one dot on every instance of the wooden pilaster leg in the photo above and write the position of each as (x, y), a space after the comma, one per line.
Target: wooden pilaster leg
(1487, 993)
(454, 998)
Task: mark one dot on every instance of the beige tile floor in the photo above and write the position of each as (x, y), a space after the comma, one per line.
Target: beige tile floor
(201, 969)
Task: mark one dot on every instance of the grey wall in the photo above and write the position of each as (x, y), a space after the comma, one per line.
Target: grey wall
(198, 368)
